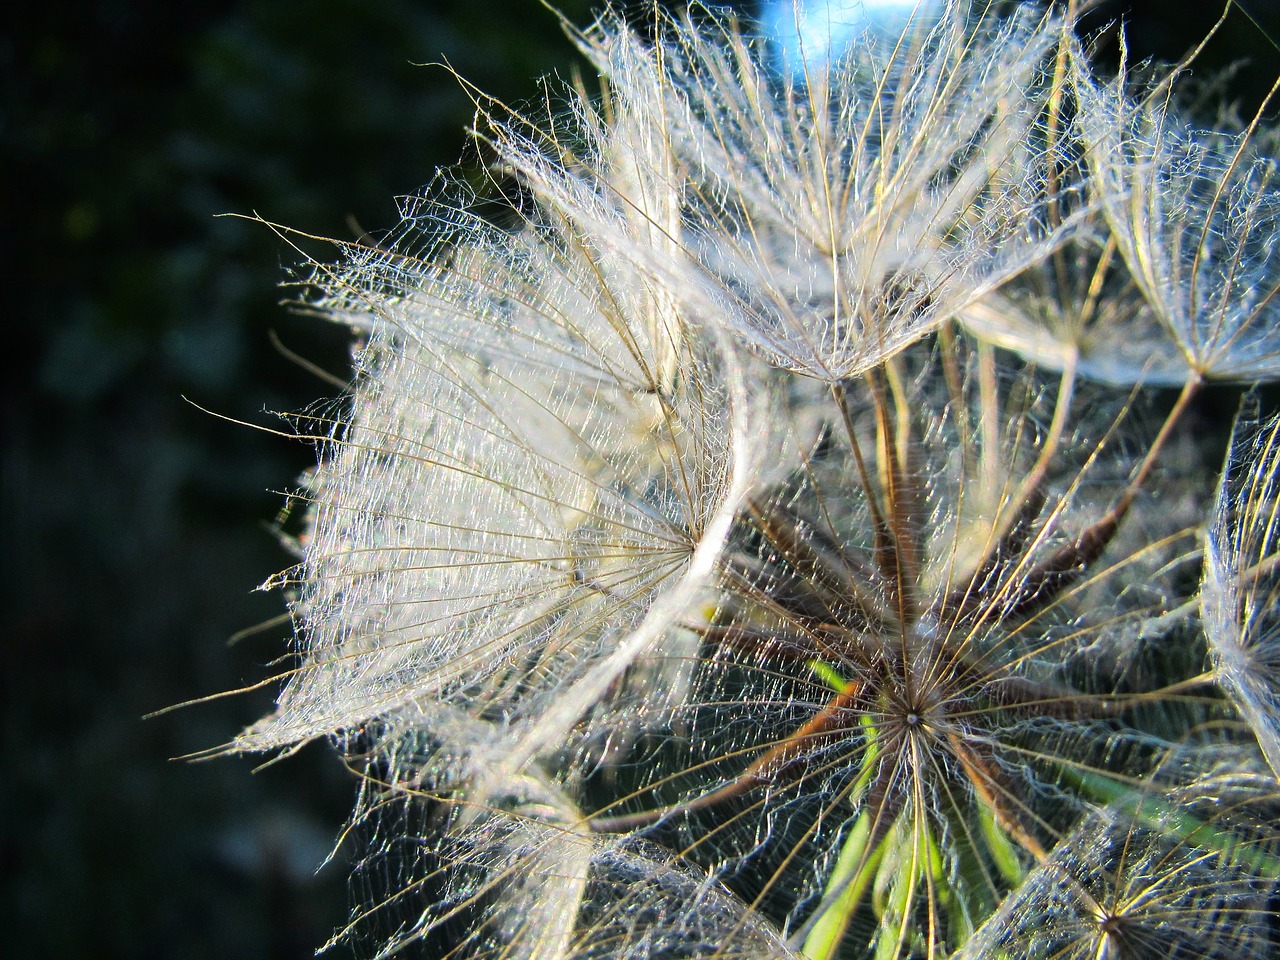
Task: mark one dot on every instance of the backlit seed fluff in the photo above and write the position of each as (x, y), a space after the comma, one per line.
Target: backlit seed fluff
(1240, 596)
(780, 531)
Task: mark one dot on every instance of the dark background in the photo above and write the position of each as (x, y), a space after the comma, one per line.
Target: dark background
(135, 525)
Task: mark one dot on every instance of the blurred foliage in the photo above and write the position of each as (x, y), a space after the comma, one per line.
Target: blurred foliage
(134, 523)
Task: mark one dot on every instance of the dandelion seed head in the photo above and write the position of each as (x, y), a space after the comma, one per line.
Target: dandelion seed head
(1196, 214)
(509, 377)
(739, 550)
(1184, 874)
(829, 227)
(1097, 325)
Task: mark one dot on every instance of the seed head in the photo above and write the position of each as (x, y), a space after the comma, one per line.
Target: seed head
(764, 541)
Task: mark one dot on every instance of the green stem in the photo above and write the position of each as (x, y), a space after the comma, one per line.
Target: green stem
(1004, 853)
(1171, 820)
(856, 866)
(854, 871)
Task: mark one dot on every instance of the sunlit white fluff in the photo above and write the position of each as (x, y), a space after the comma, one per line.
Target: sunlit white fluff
(1196, 214)
(594, 543)
(1240, 595)
(1080, 311)
(836, 222)
(513, 486)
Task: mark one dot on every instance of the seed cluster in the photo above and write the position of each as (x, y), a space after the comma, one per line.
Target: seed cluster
(792, 528)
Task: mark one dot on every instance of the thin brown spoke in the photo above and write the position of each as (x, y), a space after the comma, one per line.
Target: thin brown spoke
(1008, 548)
(831, 576)
(886, 558)
(991, 790)
(1050, 577)
(903, 512)
(1049, 698)
(1046, 580)
(780, 760)
(766, 644)
(789, 594)
(965, 600)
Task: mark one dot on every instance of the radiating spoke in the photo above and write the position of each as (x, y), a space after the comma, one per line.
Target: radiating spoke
(785, 759)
